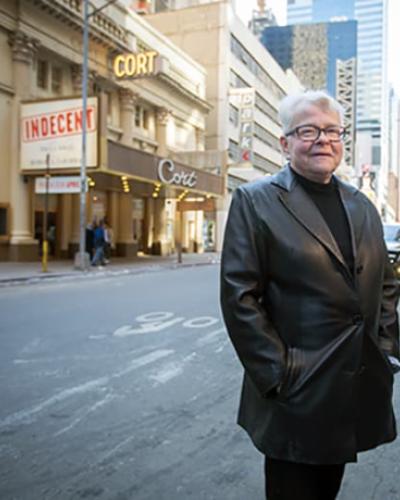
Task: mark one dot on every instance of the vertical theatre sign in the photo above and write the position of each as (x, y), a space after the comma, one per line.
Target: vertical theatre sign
(55, 128)
(245, 99)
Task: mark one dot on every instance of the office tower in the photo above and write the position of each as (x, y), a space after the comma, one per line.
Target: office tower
(371, 16)
(323, 56)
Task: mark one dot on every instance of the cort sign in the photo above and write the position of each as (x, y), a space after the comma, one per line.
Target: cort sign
(135, 65)
(168, 174)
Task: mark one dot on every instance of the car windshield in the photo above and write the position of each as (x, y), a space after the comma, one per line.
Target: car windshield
(392, 233)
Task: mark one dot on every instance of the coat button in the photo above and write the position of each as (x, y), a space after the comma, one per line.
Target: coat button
(357, 319)
(359, 269)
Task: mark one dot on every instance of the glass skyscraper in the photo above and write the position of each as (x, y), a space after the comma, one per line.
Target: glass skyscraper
(323, 56)
(370, 57)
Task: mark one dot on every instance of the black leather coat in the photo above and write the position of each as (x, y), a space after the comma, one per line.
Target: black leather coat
(298, 317)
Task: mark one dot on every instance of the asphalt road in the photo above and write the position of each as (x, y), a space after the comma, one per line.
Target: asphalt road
(126, 388)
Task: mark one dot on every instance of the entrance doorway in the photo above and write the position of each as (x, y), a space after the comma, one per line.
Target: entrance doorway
(51, 232)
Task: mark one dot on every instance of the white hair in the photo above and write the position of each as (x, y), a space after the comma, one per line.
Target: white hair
(293, 104)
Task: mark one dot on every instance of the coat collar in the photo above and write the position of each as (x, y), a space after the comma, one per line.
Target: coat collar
(300, 205)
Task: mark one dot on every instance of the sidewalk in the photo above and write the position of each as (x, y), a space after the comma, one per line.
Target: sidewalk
(24, 272)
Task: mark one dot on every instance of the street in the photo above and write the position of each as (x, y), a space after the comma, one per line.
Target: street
(126, 388)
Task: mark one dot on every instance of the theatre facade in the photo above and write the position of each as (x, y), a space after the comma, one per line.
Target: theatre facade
(148, 173)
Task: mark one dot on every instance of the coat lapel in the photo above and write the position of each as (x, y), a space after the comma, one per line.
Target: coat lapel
(300, 205)
(355, 214)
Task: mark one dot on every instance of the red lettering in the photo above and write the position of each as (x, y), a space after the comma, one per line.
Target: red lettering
(78, 120)
(58, 124)
(61, 123)
(69, 121)
(89, 118)
(53, 130)
(44, 127)
(35, 128)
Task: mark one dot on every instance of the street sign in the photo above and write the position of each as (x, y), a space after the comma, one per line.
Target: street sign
(58, 185)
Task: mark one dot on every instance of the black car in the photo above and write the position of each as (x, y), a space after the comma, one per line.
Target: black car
(392, 239)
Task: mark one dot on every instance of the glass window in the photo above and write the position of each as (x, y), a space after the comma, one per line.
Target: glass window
(233, 150)
(138, 113)
(56, 79)
(145, 119)
(266, 137)
(42, 74)
(233, 115)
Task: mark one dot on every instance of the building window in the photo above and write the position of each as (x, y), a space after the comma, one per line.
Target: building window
(142, 117)
(266, 108)
(4, 220)
(243, 55)
(42, 74)
(237, 82)
(56, 79)
(233, 151)
(376, 155)
(233, 115)
(145, 119)
(266, 137)
(265, 165)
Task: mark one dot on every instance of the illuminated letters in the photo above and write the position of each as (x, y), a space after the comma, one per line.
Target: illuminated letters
(135, 65)
(168, 175)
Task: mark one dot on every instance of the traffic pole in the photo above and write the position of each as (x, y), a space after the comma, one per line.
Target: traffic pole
(45, 243)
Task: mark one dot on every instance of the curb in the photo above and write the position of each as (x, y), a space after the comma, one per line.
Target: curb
(33, 279)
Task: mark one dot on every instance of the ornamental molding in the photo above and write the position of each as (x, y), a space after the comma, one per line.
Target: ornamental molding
(23, 46)
(163, 116)
(103, 29)
(128, 98)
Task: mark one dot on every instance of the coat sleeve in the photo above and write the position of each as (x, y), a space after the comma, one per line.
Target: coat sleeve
(389, 322)
(243, 280)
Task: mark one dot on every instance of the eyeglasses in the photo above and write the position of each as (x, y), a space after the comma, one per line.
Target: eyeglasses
(313, 133)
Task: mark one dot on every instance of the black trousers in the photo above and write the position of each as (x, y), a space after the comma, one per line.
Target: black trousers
(293, 481)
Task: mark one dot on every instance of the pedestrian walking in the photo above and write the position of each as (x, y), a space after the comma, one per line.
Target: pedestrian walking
(99, 243)
(109, 241)
(309, 300)
(89, 239)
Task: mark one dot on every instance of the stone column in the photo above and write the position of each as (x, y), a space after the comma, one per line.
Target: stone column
(199, 219)
(160, 244)
(23, 247)
(127, 100)
(103, 129)
(163, 117)
(148, 224)
(113, 213)
(185, 231)
(126, 246)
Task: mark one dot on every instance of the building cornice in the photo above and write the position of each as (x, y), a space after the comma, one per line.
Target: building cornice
(102, 28)
(204, 105)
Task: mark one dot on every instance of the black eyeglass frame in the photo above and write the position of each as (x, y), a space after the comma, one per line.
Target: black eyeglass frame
(343, 133)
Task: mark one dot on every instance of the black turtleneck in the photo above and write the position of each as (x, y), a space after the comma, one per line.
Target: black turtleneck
(329, 203)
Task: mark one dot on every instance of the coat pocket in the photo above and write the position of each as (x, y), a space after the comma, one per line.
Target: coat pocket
(294, 366)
